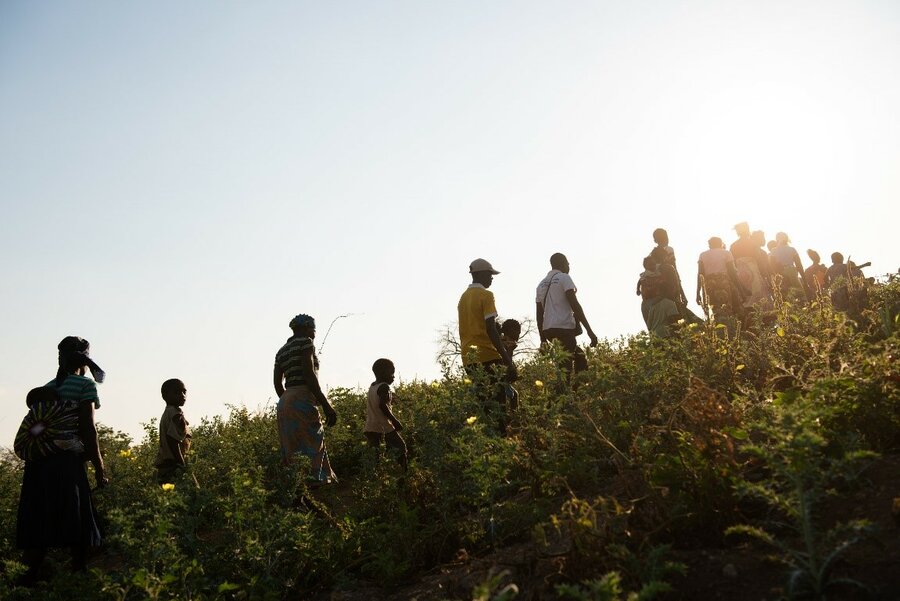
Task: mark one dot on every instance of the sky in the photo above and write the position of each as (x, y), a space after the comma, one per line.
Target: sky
(177, 180)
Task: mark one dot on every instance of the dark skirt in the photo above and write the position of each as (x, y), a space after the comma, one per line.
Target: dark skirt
(55, 508)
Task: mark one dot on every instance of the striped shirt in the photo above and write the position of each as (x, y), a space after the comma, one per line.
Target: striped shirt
(288, 360)
(76, 388)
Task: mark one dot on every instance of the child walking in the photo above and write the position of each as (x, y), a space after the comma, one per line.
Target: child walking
(381, 423)
(174, 433)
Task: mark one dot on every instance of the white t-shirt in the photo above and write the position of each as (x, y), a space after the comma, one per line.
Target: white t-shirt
(557, 310)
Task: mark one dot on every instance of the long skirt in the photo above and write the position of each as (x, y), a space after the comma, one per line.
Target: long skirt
(55, 508)
(751, 278)
(300, 430)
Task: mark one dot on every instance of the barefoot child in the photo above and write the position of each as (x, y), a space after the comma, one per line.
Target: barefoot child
(174, 434)
(381, 424)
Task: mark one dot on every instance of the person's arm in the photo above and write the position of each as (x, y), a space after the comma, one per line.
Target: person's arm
(637, 290)
(175, 449)
(384, 395)
(700, 275)
(490, 324)
(312, 382)
(539, 317)
(681, 293)
(278, 380)
(579, 315)
(798, 264)
(87, 431)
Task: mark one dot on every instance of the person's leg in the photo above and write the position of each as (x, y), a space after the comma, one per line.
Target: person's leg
(396, 442)
(488, 378)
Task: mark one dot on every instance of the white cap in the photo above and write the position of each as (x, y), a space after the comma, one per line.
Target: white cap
(481, 265)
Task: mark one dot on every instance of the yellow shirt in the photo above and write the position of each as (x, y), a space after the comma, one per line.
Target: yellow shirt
(476, 305)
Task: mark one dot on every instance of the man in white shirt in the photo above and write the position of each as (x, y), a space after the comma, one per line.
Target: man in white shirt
(559, 314)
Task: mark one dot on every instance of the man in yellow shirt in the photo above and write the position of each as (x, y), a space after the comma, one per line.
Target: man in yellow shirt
(483, 353)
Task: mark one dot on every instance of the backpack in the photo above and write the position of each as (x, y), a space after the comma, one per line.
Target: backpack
(47, 429)
(651, 286)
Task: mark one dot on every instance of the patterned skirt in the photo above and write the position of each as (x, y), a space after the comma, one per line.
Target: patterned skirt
(300, 430)
(751, 278)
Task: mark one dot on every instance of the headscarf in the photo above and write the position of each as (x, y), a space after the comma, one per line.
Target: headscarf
(74, 352)
(302, 321)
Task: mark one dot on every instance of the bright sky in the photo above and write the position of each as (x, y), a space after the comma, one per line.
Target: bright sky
(179, 179)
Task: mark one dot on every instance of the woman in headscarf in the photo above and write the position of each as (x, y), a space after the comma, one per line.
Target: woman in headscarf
(296, 381)
(55, 508)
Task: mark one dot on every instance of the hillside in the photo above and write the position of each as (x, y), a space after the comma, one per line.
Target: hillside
(760, 464)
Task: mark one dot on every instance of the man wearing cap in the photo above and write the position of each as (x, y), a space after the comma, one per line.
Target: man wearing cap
(482, 349)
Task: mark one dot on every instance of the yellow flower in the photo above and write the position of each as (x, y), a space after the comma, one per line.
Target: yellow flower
(472, 420)
(538, 383)
(435, 384)
(168, 486)
(125, 453)
(467, 381)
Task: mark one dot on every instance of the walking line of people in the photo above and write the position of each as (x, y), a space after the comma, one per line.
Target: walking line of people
(58, 434)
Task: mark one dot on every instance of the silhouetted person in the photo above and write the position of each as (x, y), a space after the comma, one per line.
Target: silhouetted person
(55, 508)
(174, 433)
(484, 355)
(814, 275)
(752, 269)
(717, 276)
(559, 314)
(296, 379)
(786, 263)
(382, 426)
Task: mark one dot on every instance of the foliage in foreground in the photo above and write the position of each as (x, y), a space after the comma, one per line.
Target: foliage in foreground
(662, 441)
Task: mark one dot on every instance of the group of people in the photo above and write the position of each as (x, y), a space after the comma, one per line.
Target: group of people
(733, 282)
(300, 428)
(487, 348)
(58, 435)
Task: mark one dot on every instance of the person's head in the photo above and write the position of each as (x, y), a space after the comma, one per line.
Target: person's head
(759, 238)
(174, 392)
(560, 262)
(782, 239)
(649, 263)
(715, 242)
(837, 258)
(813, 256)
(383, 370)
(661, 236)
(44, 394)
(511, 328)
(74, 358)
(303, 325)
(742, 229)
(772, 245)
(482, 272)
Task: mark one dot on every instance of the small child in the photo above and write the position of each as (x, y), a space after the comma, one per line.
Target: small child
(510, 332)
(381, 423)
(174, 434)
